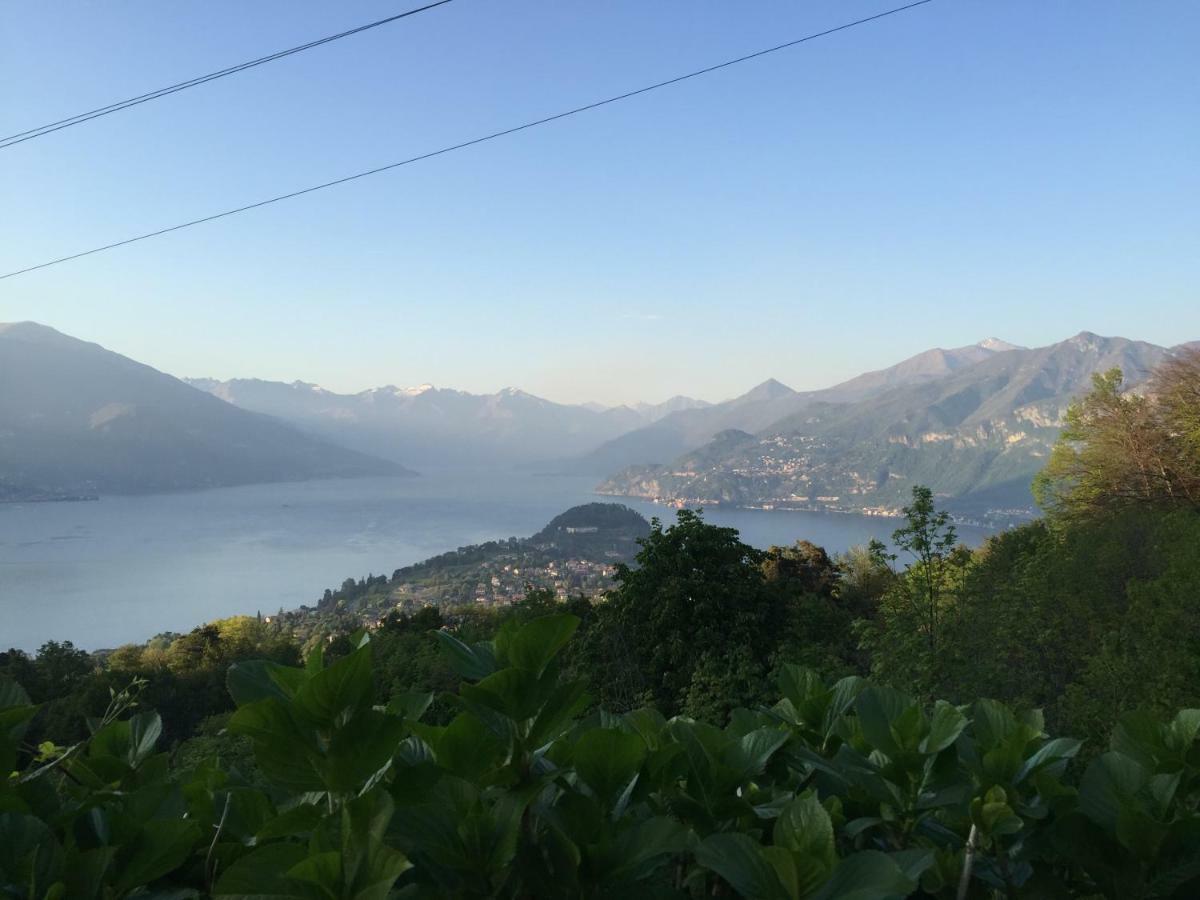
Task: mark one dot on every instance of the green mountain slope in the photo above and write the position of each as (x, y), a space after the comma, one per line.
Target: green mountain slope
(766, 404)
(976, 435)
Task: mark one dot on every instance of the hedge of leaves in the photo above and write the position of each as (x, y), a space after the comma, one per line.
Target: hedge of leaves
(839, 791)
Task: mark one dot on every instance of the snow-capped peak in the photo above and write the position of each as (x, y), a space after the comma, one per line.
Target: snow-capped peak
(413, 391)
(996, 345)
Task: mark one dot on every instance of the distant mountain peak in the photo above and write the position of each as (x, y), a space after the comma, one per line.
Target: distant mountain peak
(88, 420)
(1086, 340)
(27, 326)
(512, 393)
(411, 391)
(770, 389)
(997, 346)
(671, 404)
(34, 332)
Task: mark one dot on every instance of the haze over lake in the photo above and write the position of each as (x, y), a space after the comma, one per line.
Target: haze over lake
(125, 568)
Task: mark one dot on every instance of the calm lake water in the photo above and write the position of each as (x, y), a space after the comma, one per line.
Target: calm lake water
(125, 568)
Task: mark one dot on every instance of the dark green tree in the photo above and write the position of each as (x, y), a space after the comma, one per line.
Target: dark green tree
(804, 567)
(696, 595)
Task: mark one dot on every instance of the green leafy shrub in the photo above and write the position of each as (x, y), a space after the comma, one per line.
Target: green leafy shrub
(839, 790)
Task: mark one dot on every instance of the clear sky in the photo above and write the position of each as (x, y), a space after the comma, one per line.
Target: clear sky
(1024, 169)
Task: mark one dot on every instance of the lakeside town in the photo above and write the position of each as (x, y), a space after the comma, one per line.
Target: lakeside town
(802, 473)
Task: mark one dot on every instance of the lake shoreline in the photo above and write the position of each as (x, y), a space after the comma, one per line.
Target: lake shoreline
(103, 574)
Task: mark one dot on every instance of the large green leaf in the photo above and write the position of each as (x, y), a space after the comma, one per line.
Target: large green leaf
(29, 851)
(945, 725)
(842, 696)
(805, 831)
(1142, 737)
(468, 748)
(410, 705)
(749, 755)
(649, 723)
(607, 760)
(338, 691)
(361, 748)
(869, 875)
(144, 732)
(257, 679)
(805, 690)
(369, 869)
(741, 861)
(804, 827)
(514, 693)
(993, 722)
(160, 847)
(556, 715)
(914, 862)
(112, 742)
(1184, 729)
(1049, 753)
(877, 708)
(1111, 782)
(261, 874)
(533, 645)
(787, 870)
(285, 751)
(640, 849)
(298, 820)
(473, 662)
(86, 871)
(323, 871)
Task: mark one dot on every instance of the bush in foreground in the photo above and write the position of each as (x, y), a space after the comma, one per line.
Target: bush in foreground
(839, 790)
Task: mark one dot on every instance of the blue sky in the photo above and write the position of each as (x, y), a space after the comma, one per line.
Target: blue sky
(1024, 169)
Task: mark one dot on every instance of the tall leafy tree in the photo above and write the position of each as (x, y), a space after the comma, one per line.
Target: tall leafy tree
(930, 537)
(696, 595)
(1122, 449)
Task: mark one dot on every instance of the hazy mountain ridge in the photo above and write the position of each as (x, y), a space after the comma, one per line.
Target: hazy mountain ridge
(977, 435)
(78, 419)
(928, 366)
(973, 422)
(428, 426)
(766, 404)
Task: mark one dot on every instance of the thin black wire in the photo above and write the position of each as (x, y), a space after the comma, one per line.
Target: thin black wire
(470, 143)
(21, 137)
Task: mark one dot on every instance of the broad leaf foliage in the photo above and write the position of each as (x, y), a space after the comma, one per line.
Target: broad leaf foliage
(843, 790)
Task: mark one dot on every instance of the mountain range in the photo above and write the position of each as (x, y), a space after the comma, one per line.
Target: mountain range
(975, 424)
(79, 420)
(768, 403)
(429, 427)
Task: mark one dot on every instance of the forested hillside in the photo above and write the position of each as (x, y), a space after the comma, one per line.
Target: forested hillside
(1021, 720)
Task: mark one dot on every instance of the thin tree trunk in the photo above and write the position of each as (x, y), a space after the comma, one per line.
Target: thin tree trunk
(964, 881)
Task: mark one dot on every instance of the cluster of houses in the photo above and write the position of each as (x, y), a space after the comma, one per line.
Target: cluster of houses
(501, 583)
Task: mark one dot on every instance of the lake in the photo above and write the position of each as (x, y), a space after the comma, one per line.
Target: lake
(122, 569)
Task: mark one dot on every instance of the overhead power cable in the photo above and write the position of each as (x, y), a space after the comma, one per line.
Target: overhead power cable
(471, 143)
(82, 117)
